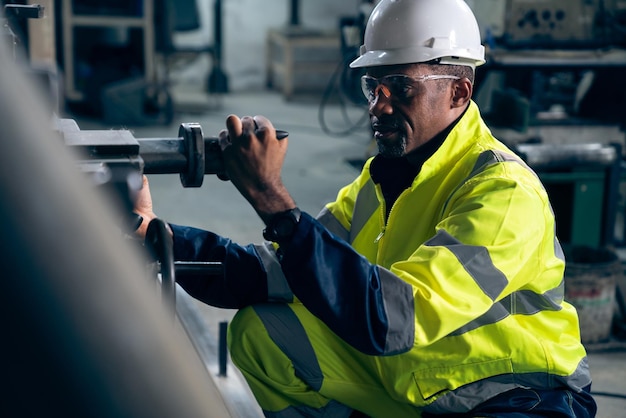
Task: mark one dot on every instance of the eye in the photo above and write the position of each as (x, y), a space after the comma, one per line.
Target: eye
(406, 89)
(402, 89)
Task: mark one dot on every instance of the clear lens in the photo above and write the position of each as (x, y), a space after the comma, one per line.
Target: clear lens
(397, 85)
(391, 85)
(368, 86)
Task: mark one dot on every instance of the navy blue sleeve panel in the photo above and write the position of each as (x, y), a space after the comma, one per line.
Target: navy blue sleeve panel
(244, 281)
(340, 287)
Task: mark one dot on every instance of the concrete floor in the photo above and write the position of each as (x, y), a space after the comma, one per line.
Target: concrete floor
(314, 170)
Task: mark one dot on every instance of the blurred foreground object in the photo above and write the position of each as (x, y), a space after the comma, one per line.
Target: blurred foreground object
(87, 336)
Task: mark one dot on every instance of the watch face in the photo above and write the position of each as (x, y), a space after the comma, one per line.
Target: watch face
(284, 227)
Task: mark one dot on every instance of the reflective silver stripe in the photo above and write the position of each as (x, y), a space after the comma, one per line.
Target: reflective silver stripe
(333, 409)
(467, 397)
(278, 289)
(476, 261)
(580, 378)
(285, 329)
(523, 302)
(490, 157)
(365, 206)
(400, 310)
(326, 218)
(484, 161)
(558, 250)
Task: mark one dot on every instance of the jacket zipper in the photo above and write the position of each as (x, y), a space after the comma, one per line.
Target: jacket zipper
(380, 236)
(386, 222)
(382, 216)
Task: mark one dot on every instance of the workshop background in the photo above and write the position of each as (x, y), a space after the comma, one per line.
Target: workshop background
(135, 83)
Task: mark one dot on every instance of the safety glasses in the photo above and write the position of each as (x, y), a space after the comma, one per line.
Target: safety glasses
(400, 86)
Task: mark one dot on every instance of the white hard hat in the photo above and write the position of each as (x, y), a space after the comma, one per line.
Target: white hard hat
(412, 31)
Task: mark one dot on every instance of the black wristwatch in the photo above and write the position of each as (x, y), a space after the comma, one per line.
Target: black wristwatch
(282, 226)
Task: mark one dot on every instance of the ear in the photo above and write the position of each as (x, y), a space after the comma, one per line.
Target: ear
(461, 92)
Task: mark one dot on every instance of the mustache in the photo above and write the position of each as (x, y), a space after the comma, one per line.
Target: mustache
(385, 124)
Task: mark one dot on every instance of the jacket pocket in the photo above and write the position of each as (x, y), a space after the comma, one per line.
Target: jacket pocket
(435, 380)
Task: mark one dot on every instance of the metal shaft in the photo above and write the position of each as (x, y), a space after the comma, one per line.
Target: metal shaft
(191, 154)
(169, 155)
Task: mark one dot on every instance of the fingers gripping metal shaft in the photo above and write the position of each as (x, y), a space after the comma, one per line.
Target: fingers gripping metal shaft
(191, 154)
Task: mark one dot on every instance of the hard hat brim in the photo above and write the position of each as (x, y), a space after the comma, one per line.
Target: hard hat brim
(417, 55)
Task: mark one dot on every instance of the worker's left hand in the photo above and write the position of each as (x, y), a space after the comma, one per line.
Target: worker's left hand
(253, 159)
(143, 208)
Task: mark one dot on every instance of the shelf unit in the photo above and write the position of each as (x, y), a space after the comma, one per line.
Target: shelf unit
(71, 21)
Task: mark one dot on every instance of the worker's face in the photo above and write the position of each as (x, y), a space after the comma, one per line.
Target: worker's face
(408, 111)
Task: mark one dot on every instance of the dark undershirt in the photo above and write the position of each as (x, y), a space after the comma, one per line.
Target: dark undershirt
(397, 174)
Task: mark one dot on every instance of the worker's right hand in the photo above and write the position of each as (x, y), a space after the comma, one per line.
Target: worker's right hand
(253, 159)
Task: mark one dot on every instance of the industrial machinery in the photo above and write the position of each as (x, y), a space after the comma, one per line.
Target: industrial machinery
(85, 332)
(564, 23)
(114, 161)
(82, 335)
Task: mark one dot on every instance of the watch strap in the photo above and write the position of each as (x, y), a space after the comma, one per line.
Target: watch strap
(282, 225)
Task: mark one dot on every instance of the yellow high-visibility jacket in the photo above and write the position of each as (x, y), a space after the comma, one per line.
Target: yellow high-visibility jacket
(474, 237)
(457, 295)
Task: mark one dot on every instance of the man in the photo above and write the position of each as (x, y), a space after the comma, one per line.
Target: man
(432, 286)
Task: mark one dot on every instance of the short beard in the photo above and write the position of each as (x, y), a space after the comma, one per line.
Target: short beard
(394, 150)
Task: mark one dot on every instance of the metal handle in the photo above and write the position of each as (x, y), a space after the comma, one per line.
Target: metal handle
(160, 244)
